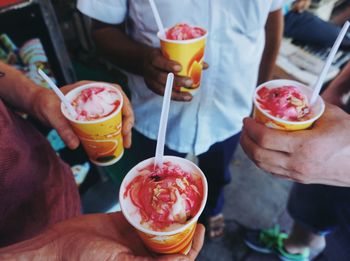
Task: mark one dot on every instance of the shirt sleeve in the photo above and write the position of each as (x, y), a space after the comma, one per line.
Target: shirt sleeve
(107, 11)
(276, 4)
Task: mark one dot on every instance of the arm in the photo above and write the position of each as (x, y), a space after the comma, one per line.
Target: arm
(300, 6)
(318, 155)
(273, 36)
(24, 95)
(113, 43)
(338, 88)
(17, 90)
(117, 46)
(92, 237)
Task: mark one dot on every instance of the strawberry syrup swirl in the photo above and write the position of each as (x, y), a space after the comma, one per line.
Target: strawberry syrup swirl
(285, 102)
(165, 196)
(184, 32)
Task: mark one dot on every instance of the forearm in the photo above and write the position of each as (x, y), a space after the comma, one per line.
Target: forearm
(16, 89)
(273, 37)
(301, 5)
(337, 173)
(115, 45)
(341, 84)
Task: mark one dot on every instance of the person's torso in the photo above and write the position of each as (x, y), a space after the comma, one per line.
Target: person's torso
(233, 51)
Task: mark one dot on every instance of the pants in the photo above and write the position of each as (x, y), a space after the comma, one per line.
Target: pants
(320, 208)
(214, 163)
(324, 209)
(307, 28)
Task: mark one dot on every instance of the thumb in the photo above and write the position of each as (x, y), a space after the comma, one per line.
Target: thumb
(198, 241)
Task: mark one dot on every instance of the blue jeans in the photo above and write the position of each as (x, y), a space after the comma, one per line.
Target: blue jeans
(214, 163)
(307, 28)
(320, 208)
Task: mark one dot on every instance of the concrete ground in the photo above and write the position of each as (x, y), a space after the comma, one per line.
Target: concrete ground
(253, 199)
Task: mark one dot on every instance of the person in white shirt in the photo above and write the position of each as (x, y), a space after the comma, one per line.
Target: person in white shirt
(242, 46)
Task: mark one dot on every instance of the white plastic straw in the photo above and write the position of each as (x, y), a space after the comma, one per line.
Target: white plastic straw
(328, 63)
(59, 93)
(157, 17)
(158, 160)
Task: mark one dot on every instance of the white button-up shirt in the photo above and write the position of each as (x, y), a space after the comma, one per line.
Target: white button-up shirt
(234, 47)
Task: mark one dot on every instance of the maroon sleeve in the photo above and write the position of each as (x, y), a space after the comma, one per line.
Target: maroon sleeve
(36, 188)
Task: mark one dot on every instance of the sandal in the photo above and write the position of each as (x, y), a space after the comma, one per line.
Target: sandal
(272, 241)
(216, 226)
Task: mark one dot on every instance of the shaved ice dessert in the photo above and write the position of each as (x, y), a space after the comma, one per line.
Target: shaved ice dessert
(164, 204)
(183, 31)
(185, 45)
(98, 123)
(286, 102)
(165, 198)
(95, 103)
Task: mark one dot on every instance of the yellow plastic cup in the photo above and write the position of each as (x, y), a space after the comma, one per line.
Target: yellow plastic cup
(102, 138)
(263, 116)
(188, 53)
(178, 240)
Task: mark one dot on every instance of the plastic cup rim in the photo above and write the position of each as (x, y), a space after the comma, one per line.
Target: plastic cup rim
(163, 38)
(75, 91)
(319, 100)
(175, 231)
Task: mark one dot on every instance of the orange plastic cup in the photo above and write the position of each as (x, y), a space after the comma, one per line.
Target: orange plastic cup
(102, 138)
(178, 240)
(263, 116)
(188, 53)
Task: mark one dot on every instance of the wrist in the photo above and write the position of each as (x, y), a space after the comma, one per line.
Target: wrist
(35, 102)
(146, 57)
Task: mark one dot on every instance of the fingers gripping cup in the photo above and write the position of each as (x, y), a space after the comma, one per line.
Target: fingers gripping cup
(164, 205)
(99, 121)
(185, 45)
(283, 104)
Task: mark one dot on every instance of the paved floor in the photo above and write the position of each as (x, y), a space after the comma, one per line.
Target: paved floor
(253, 199)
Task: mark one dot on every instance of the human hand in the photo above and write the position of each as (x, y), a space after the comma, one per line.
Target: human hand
(300, 6)
(337, 92)
(316, 155)
(333, 96)
(95, 237)
(47, 108)
(127, 118)
(155, 70)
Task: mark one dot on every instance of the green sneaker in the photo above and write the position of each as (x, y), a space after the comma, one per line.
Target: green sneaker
(271, 241)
